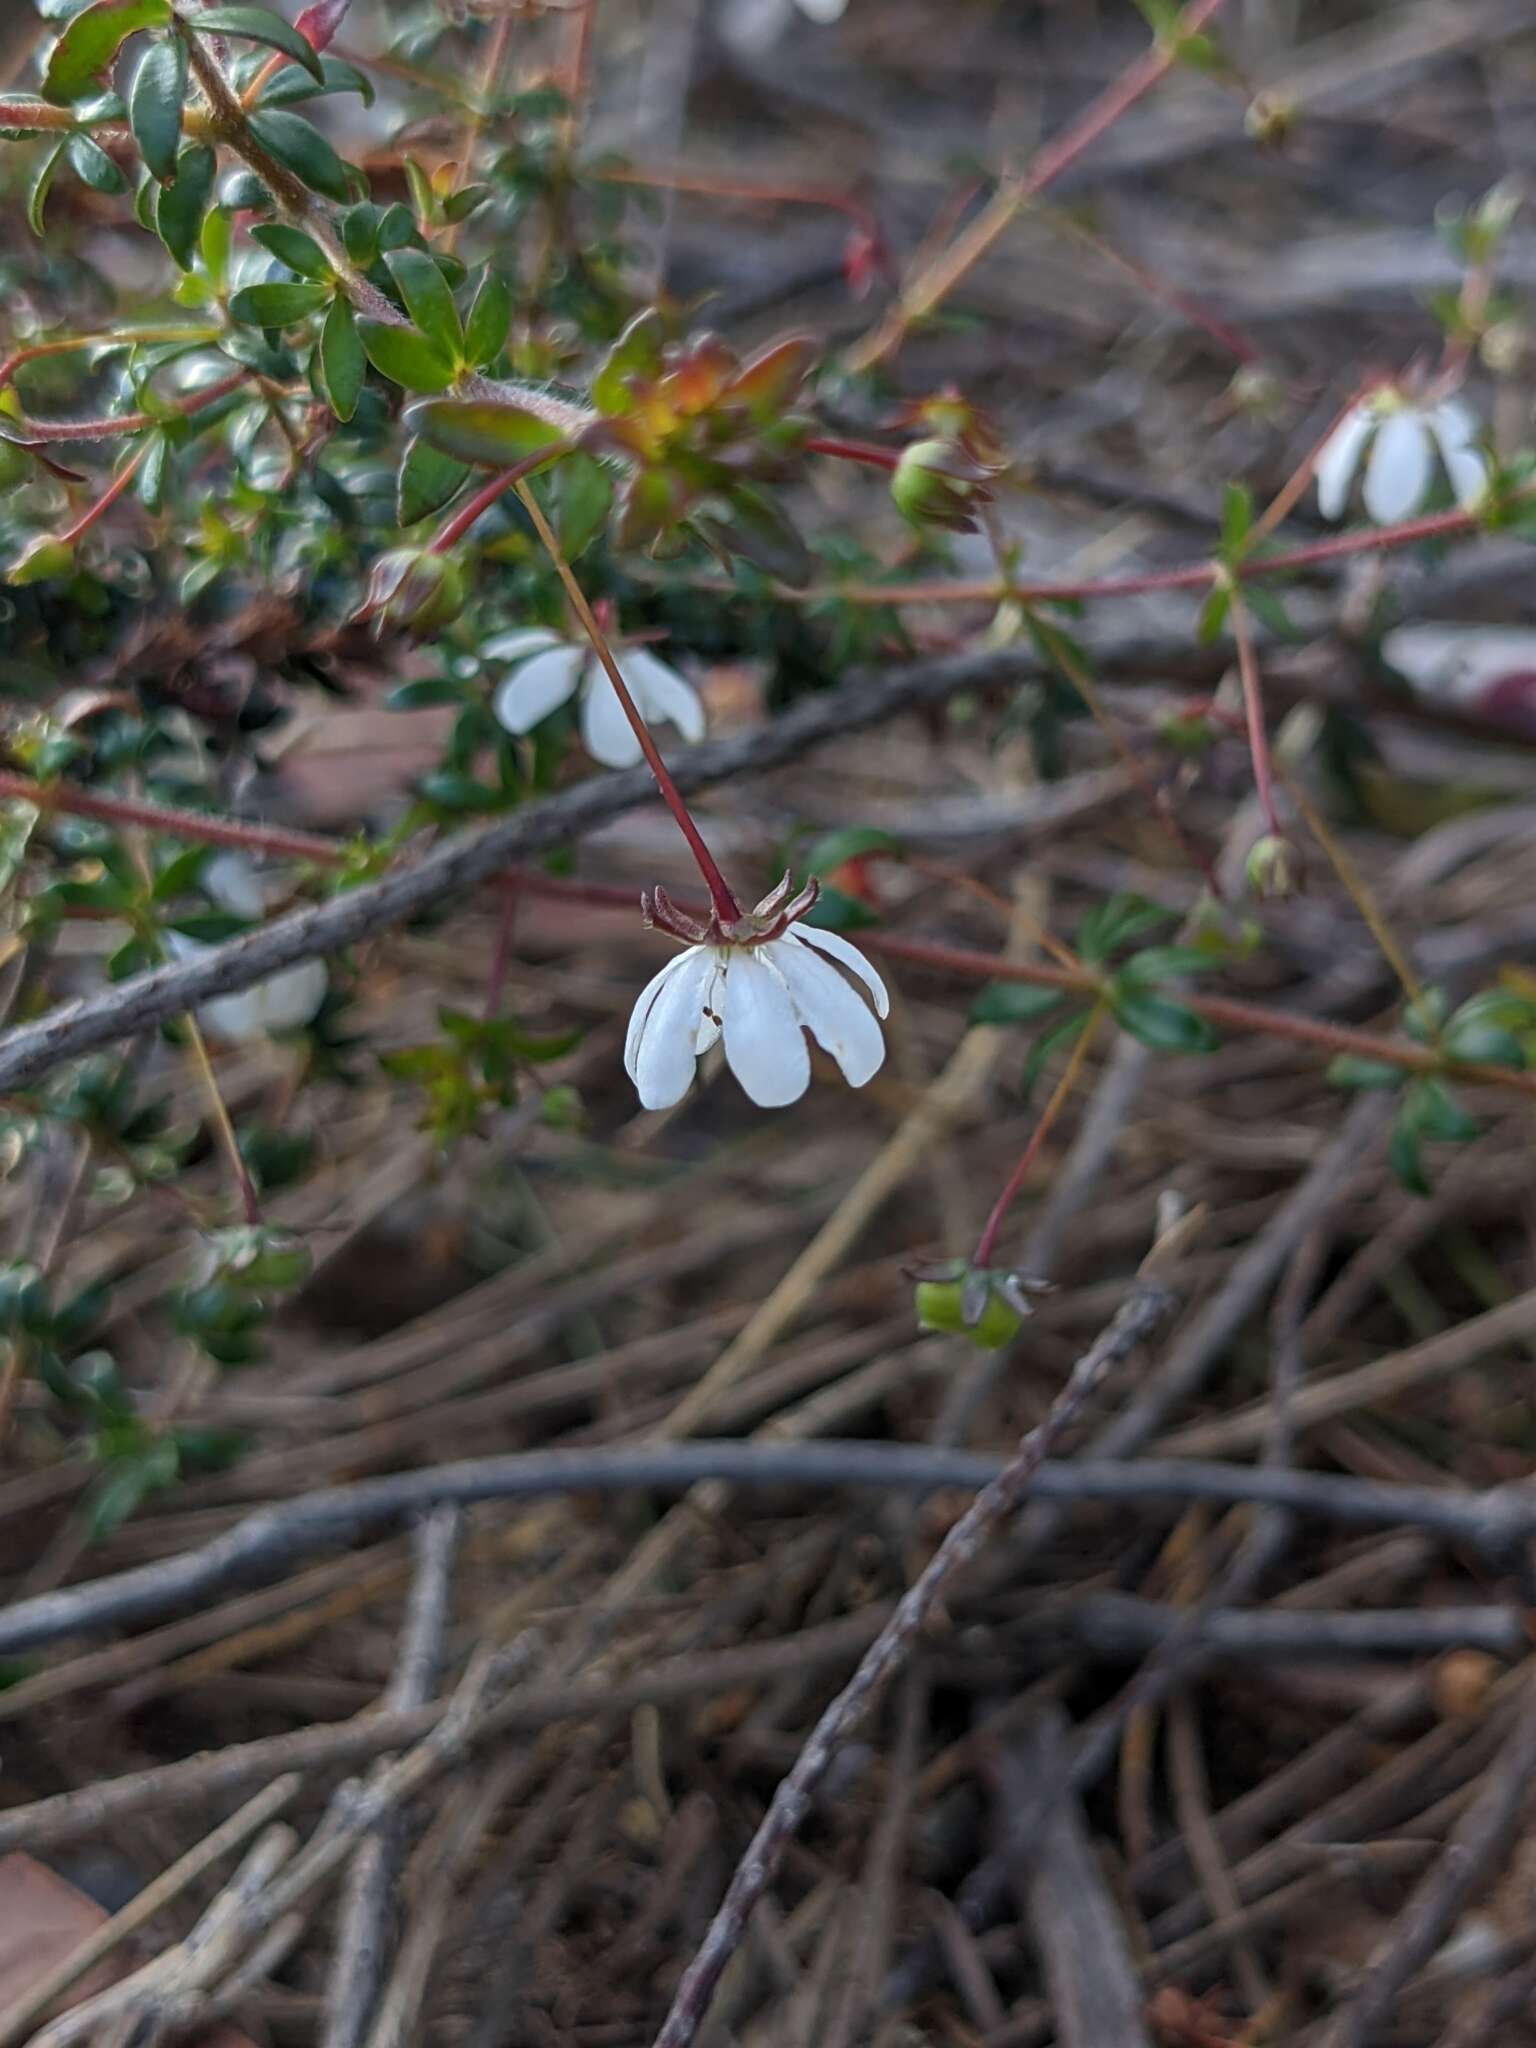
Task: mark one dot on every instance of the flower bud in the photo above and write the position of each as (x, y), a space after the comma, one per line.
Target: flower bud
(1270, 118)
(413, 588)
(941, 1306)
(318, 22)
(936, 484)
(1272, 867)
(42, 559)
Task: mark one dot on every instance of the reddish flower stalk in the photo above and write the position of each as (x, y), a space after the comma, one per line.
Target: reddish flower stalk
(853, 451)
(987, 1242)
(727, 909)
(1253, 712)
(455, 528)
(106, 501)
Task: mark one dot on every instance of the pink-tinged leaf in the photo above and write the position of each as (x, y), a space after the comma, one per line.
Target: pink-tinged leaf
(318, 24)
(769, 381)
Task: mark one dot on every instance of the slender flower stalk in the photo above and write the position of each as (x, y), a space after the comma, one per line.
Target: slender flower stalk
(1253, 713)
(986, 1244)
(223, 1125)
(854, 451)
(727, 909)
(455, 527)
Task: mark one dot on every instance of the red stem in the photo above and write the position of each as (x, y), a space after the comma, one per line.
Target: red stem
(106, 501)
(1253, 710)
(727, 909)
(127, 422)
(455, 528)
(1226, 1012)
(852, 451)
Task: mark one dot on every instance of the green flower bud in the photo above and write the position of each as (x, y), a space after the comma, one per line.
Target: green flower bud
(41, 560)
(1273, 869)
(940, 1307)
(414, 589)
(937, 484)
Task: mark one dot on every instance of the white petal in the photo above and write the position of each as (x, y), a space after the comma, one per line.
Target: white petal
(664, 697)
(606, 732)
(519, 644)
(850, 957)
(1453, 424)
(644, 1004)
(667, 1041)
(822, 10)
(1339, 458)
(839, 1020)
(234, 884)
(1466, 469)
(763, 1040)
(281, 1003)
(1399, 471)
(537, 687)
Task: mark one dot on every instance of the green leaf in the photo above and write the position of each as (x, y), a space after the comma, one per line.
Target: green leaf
(427, 298)
(1213, 615)
(277, 305)
(1014, 1002)
(428, 480)
(836, 911)
(91, 41)
(131, 1480)
(92, 166)
(1115, 922)
(1236, 516)
(1351, 1070)
(292, 246)
(155, 101)
(1424, 1018)
(42, 180)
(302, 149)
(483, 431)
(1267, 608)
(424, 691)
(290, 85)
(1437, 1114)
(1163, 1025)
(1057, 1039)
(405, 357)
(1403, 1154)
(149, 479)
(213, 243)
(258, 25)
(179, 207)
(343, 365)
(485, 332)
(1165, 963)
(849, 842)
(583, 500)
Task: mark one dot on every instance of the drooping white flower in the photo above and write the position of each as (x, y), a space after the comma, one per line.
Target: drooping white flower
(1406, 438)
(548, 671)
(282, 1002)
(759, 985)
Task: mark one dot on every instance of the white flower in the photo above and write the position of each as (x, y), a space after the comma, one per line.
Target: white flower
(1489, 671)
(550, 670)
(1406, 436)
(284, 1000)
(761, 992)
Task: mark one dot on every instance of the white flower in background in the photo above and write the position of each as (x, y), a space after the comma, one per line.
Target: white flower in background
(1487, 670)
(1406, 438)
(760, 986)
(549, 671)
(752, 26)
(286, 999)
